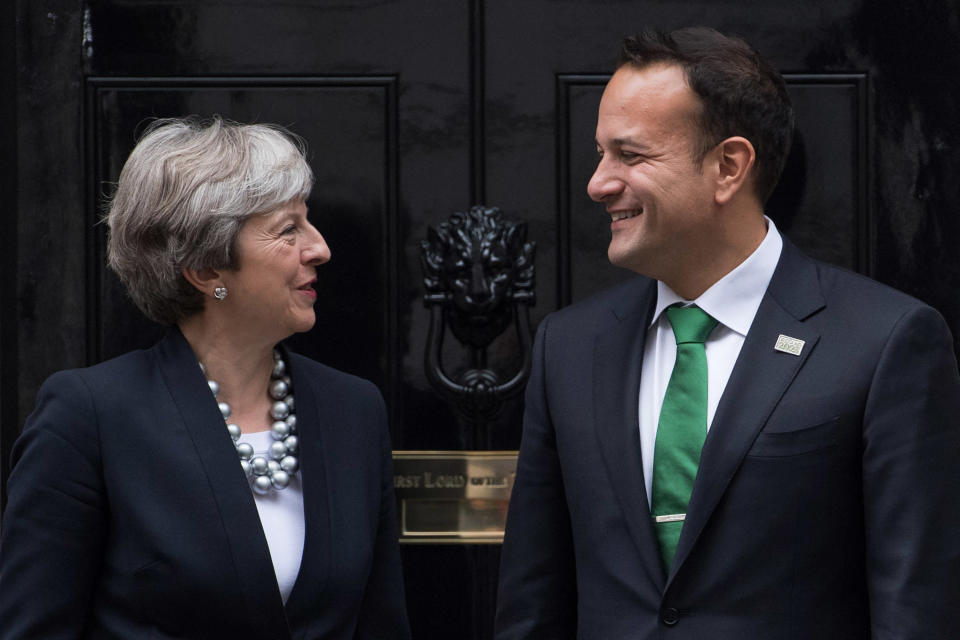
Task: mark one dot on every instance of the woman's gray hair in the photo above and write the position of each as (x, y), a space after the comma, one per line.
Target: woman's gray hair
(183, 194)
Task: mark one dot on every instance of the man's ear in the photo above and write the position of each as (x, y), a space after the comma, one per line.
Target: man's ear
(205, 280)
(735, 158)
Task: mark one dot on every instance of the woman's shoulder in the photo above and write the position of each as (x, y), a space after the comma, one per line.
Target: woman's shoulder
(70, 403)
(306, 369)
(120, 370)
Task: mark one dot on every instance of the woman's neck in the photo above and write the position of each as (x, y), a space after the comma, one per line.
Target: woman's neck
(240, 368)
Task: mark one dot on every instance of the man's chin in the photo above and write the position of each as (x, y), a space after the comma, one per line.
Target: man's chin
(623, 257)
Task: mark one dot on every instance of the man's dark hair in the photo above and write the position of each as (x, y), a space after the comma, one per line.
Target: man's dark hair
(741, 94)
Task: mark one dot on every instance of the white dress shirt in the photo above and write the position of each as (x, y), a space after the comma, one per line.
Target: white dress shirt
(733, 301)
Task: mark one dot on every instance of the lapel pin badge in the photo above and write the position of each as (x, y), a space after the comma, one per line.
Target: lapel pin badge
(793, 346)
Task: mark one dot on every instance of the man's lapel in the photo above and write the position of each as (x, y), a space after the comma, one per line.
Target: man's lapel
(263, 606)
(759, 379)
(618, 352)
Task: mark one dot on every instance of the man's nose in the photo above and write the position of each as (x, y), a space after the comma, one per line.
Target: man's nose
(603, 183)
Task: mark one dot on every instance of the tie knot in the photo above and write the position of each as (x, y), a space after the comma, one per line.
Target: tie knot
(690, 324)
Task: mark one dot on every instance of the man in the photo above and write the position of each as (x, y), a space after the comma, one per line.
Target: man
(788, 471)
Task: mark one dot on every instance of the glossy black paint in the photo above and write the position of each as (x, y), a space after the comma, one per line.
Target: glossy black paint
(413, 110)
(8, 244)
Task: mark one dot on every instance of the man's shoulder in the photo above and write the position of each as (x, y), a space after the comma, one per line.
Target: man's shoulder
(840, 282)
(633, 297)
(836, 291)
(853, 295)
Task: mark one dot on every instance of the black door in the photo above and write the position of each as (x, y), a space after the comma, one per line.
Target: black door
(413, 110)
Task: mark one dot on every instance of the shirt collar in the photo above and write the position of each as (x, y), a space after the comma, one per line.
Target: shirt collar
(734, 299)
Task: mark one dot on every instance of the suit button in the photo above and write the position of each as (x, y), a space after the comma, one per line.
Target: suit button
(670, 616)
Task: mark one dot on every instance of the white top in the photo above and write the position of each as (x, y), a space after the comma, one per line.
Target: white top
(281, 514)
(733, 301)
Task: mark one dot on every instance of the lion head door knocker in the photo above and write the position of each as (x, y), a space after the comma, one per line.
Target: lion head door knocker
(478, 272)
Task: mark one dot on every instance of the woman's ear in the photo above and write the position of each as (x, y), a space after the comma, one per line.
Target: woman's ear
(205, 280)
(735, 159)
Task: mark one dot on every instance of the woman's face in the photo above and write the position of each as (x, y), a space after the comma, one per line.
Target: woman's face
(271, 293)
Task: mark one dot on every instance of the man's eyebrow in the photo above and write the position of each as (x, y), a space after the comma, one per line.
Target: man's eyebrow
(623, 142)
(620, 142)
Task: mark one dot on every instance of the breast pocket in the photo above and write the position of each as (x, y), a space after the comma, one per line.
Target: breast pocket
(779, 444)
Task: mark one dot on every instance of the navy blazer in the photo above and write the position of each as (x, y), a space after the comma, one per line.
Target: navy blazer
(129, 515)
(827, 501)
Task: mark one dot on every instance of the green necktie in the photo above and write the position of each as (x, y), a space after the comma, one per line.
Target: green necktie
(682, 428)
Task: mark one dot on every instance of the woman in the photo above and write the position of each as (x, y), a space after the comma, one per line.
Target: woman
(180, 492)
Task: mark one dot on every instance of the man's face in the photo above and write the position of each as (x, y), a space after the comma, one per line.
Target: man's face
(659, 200)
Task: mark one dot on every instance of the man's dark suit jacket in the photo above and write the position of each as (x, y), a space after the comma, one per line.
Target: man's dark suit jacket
(129, 515)
(827, 502)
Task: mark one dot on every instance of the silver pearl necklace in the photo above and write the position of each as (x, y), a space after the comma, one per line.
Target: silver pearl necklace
(273, 472)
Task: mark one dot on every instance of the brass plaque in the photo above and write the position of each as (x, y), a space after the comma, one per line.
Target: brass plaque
(453, 497)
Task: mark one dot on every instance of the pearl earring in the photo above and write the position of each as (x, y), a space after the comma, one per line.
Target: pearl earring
(220, 293)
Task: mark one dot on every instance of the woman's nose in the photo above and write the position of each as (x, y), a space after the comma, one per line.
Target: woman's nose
(317, 251)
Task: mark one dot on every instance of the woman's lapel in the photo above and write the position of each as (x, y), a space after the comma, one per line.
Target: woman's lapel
(263, 606)
(312, 419)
